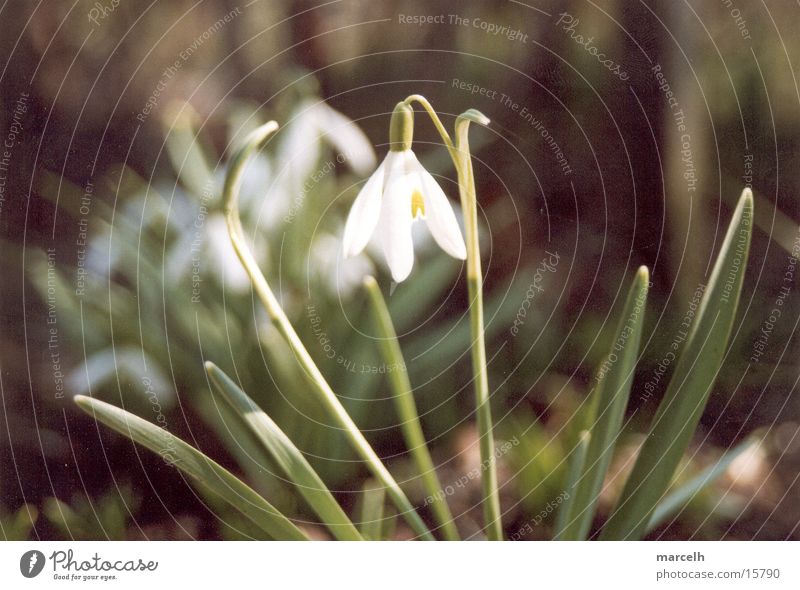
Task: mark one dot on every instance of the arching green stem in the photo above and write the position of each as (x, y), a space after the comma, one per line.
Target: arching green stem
(462, 160)
(323, 392)
(437, 122)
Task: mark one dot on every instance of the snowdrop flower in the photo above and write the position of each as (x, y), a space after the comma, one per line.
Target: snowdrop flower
(397, 194)
(315, 121)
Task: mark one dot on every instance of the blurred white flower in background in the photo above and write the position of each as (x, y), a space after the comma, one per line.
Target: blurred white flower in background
(314, 123)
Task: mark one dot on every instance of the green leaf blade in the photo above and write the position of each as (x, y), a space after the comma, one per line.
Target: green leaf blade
(576, 463)
(615, 377)
(403, 398)
(676, 500)
(372, 507)
(287, 456)
(201, 468)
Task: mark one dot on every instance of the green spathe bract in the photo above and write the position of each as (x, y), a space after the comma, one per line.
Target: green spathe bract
(686, 396)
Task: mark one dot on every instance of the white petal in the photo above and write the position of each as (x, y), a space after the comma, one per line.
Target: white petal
(440, 217)
(299, 149)
(395, 220)
(364, 213)
(348, 139)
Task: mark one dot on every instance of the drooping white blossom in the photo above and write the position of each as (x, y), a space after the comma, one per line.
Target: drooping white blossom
(399, 193)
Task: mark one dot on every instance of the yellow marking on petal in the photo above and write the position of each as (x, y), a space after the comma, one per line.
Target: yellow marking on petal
(417, 205)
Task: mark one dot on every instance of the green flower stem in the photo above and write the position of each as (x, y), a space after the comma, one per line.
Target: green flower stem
(407, 410)
(437, 122)
(325, 395)
(462, 160)
(469, 203)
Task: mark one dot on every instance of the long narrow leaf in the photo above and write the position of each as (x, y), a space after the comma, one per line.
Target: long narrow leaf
(576, 463)
(614, 379)
(372, 504)
(287, 456)
(684, 494)
(403, 397)
(204, 470)
(688, 391)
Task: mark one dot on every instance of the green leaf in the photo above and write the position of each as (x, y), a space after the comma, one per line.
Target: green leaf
(688, 391)
(614, 378)
(684, 494)
(202, 469)
(576, 463)
(389, 528)
(372, 504)
(287, 456)
(320, 387)
(17, 526)
(403, 398)
(68, 522)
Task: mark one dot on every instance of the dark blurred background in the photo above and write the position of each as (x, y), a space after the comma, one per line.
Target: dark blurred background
(121, 116)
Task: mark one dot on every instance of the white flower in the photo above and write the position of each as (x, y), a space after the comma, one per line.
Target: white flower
(397, 194)
(315, 121)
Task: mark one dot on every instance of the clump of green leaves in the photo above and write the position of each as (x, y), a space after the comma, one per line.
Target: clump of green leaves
(646, 500)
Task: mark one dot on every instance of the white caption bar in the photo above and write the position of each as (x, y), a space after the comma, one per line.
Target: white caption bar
(399, 565)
